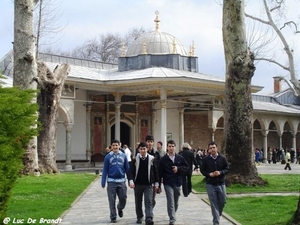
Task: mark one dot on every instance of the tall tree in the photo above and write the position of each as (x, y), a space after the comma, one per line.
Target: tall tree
(26, 70)
(240, 68)
(25, 65)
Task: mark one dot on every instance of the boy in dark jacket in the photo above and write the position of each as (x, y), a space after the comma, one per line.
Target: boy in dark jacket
(144, 172)
(214, 168)
(171, 168)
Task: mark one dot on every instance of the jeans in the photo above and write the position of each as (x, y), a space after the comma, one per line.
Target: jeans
(217, 198)
(115, 189)
(172, 194)
(139, 191)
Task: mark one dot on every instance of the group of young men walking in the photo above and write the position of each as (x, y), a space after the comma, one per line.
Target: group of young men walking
(149, 170)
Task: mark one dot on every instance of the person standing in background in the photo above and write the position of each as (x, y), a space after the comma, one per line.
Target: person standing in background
(160, 149)
(127, 152)
(287, 160)
(189, 157)
(214, 168)
(115, 168)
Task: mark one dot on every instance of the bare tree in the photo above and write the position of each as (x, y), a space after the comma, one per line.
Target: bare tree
(47, 14)
(25, 65)
(237, 144)
(133, 34)
(278, 5)
(107, 47)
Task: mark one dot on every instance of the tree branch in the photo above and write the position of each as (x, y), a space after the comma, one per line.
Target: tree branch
(257, 19)
(291, 22)
(275, 62)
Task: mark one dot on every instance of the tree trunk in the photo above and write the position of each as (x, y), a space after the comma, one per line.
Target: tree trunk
(25, 67)
(237, 143)
(296, 217)
(50, 85)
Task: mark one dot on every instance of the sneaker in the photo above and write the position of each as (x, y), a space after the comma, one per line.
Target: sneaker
(113, 221)
(139, 220)
(171, 223)
(149, 221)
(120, 212)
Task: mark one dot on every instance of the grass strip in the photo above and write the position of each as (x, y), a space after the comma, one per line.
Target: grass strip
(47, 196)
(277, 183)
(262, 210)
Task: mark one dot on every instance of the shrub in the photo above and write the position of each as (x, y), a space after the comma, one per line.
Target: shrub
(18, 120)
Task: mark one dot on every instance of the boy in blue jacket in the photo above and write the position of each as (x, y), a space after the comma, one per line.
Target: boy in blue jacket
(114, 169)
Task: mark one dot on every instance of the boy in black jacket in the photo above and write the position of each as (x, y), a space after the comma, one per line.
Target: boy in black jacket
(143, 170)
(171, 168)
(214, 168)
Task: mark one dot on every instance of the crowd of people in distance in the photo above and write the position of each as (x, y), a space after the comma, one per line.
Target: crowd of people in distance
(277, 155)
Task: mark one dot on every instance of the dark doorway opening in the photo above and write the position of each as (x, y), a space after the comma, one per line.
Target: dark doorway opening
(124, 134)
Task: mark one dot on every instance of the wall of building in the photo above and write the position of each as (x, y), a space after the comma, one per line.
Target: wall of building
(78, 139)
(196, 131)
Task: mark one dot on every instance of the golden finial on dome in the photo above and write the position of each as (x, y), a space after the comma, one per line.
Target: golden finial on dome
(156, 21)
(144, 47)
(123, 50)
(174, 46)
(192, 49)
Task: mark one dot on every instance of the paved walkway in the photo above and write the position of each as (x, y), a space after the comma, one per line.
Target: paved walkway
(92, 206)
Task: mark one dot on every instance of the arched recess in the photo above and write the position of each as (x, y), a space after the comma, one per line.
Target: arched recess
(219, 130)
(273, 134)
(129, 122)
(220, 123)
(258, 141)
(64, 114)
(287, 136)
(298, 137)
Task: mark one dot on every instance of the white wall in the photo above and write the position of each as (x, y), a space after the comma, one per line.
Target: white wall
(78, 139)
(172, 122)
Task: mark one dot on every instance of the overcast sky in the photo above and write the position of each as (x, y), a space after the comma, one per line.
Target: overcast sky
(188, 20)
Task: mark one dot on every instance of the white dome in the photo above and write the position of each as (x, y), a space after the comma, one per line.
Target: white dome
(157, 43)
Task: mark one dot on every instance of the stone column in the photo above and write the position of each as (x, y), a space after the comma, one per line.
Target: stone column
(181, 127)
(213, 135)
(68, 127)
(265, 147)
(137, 126)
(108, 127)
(118, 121)
(88, 131)
(280, 142)
(294, 141)
(163, 123)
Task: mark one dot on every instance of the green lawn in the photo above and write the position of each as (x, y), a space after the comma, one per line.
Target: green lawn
(267, 210)
(277, 183)
(261, 210)
(47, 196)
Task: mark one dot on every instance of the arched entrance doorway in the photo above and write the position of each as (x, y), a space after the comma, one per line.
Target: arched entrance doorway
(124, 133)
